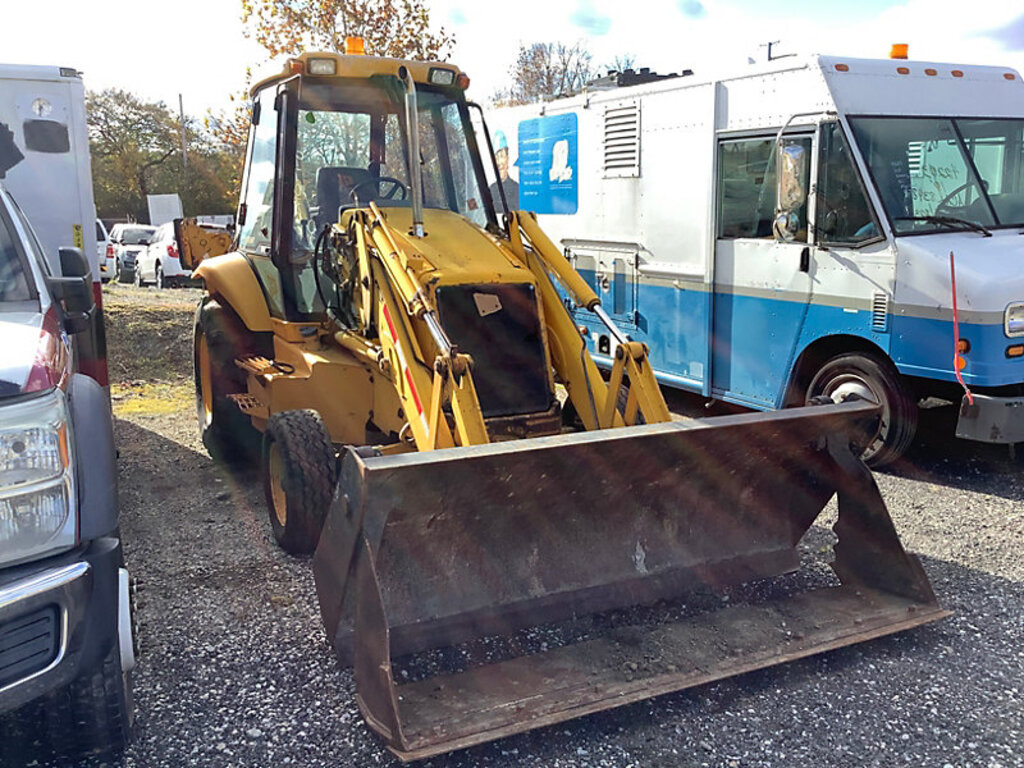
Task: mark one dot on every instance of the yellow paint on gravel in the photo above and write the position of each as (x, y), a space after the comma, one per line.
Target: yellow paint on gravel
(151, 398)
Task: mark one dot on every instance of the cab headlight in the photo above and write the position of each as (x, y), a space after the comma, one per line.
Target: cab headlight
(1013, 320)
(37, 489)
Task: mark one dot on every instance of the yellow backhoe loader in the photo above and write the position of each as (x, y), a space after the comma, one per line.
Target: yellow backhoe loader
(394, 352)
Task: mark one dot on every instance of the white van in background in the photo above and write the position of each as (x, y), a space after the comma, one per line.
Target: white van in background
(44, 163)
(792, 230)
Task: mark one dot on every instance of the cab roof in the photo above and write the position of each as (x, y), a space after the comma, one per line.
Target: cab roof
(357, 66)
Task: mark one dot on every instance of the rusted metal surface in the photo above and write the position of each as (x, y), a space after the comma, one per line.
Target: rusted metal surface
(421, 551)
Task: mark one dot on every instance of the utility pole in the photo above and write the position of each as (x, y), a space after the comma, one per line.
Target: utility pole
(184, 151)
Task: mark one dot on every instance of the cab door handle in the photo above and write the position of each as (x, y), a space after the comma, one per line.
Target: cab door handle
(805, 259)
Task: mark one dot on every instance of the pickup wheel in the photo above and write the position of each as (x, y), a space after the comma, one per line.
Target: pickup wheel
(219, 338)
(93, 715)
(160, 283)
(139, 283)
(869, 377)
(300, 471)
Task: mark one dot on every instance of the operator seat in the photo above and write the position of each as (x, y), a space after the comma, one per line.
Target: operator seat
(334, 185)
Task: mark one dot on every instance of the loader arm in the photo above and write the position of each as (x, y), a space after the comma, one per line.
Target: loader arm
(594, 399)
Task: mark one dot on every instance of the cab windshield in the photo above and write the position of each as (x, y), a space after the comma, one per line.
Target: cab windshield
(351, 147)
(937, 174)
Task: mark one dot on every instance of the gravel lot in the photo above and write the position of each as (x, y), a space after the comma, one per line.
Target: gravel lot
(235, 669)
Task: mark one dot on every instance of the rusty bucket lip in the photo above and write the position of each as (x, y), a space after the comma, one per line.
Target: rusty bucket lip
(624, 693)
(844, 411)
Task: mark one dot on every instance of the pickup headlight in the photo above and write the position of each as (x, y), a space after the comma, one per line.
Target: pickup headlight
(37, 488)
(1013, 320)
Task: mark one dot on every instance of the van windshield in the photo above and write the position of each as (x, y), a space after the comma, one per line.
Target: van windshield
(936, 174)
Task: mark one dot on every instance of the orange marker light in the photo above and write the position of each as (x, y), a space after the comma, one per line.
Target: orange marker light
(957, 73)
(295, 66)
(462, 81)
(931, 72)
(1017, 350)
(1010, 76)
(899, 51)
(963, 346)
(842, 67)
(961, 363)
(354, 46)
(903, 70)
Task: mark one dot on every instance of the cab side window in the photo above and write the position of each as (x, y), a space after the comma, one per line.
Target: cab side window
(747, 188)
(254, 233)
(843, 212)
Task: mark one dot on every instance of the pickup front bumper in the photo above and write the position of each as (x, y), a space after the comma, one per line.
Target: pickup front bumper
(58, 619)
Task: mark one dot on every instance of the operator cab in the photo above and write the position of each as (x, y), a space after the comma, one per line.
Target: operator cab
(344, 142)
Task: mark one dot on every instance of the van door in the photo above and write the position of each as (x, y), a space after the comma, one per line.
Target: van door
(762, 284)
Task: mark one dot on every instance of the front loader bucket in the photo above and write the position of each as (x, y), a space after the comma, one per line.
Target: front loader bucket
(423, 551)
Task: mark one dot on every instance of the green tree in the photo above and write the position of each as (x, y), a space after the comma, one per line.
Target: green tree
(136, 151)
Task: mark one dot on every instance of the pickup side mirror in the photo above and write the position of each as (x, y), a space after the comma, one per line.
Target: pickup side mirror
(74, 290)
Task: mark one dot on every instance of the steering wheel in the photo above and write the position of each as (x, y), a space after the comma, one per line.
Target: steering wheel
(373, 187)
(944, 202)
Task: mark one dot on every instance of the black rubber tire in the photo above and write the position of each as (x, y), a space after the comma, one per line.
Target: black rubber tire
(874, 379)
(227, 433)
(300, 472)
(137, 277)
(620, 404)
(160, 284)
(90, 718)
(124, 275)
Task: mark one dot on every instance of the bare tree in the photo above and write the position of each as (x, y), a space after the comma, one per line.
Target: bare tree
(548, 71)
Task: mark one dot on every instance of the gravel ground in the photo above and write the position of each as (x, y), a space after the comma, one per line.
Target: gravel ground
(235, 669)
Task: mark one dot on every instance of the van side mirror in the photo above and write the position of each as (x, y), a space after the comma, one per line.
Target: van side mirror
(791, 195)
(74, 291)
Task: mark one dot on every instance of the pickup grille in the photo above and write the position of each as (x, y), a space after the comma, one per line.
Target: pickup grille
(28, 644)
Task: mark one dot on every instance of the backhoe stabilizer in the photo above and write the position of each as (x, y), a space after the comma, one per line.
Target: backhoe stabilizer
(427, 550)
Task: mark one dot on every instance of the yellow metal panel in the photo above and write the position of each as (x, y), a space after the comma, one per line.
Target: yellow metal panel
(359, 68)
(231, 277)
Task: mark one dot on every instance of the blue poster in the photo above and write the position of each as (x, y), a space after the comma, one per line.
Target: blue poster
(548, 164)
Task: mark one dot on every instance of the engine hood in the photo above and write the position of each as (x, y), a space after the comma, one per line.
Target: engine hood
(989, 272)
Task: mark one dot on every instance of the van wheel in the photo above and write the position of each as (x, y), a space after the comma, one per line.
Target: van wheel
(300, 471)
(868, 377)
(219, 337)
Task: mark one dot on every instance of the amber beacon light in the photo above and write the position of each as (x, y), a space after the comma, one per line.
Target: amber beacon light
(899, 51)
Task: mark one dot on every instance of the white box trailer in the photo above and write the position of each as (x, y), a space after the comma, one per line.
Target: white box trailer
(45, 165)
(667, 197)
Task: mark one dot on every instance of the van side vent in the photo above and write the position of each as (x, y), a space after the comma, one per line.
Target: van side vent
(622, 140)
(880, 312)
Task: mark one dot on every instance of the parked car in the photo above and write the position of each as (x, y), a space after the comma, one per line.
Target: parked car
(160, 263)
(104, 252)
(66, 634)
(128, 241)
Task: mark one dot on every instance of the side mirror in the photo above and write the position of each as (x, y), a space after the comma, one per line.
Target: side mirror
(790, 172)
(74, 290)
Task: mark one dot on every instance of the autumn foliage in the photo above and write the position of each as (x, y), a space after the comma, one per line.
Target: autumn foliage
(396, 28)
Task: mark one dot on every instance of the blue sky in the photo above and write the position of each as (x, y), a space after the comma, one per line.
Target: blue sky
(113, 41)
